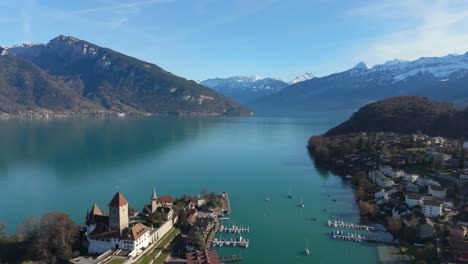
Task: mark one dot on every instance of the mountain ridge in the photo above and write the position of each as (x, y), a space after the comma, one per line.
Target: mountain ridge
(120, 83)
(407, 114)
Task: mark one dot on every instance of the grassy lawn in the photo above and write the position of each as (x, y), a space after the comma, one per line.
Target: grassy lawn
(162, 257)
(116, 261)
(415, 149)
(162, 244)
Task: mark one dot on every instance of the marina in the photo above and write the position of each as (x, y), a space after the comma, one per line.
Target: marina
(341, 224)
(240, 242)
(348, 236)
(235, 258)
(233, 229)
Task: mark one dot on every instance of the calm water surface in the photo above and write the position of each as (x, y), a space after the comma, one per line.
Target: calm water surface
(68, 164)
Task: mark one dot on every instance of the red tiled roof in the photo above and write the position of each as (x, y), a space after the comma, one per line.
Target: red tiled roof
(413, 196)
(118, 200)
(202, 257)
(95, 210)
(166, 199)
(437, 188)
(136, 231)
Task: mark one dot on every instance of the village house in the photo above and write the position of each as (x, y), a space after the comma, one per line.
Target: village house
(431, 208)
(400, 210)
(379, 179)
(207, 256)
(426, 181)
(412, 199)
(392, 173)
(411, 188)
(437, 191)
(409, 177)
(162, 204)
(381, 197)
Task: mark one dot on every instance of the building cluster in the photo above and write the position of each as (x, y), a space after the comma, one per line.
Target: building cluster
(414, 177)
(124, 230)
(432, 202)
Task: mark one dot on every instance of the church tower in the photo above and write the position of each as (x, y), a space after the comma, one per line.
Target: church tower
(118, 213)
(154, 201)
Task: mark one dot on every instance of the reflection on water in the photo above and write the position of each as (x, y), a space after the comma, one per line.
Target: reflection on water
(76, 146)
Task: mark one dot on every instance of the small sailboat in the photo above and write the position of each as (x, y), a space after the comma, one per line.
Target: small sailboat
(307, 251)
(301, 204)
(290, 193)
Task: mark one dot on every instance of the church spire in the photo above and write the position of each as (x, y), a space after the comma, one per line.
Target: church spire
(154, 196)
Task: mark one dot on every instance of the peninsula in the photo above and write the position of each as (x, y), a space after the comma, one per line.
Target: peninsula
(412, 183)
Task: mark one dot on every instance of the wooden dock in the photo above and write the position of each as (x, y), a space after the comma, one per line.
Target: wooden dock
(341, 224)
(241, 242)
(231, 259)
(347, 236)
(233, 229)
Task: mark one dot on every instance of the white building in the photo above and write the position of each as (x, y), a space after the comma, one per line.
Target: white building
(412, 199)
(387, 170)
(426, 181)
(409, 177)
(392, 191)
(437, 191)
(378, 178)
(381, 194)
(431, 208)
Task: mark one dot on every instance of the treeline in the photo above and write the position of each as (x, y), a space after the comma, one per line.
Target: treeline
(407, 114)
(52, 238)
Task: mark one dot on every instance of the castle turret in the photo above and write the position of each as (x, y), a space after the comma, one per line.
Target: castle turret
(118, 213)
(154, 201)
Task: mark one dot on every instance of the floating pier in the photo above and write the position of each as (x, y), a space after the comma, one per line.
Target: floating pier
(341, 224)
(233, 229)
(241, 242)
(230, 259)
(348, 236)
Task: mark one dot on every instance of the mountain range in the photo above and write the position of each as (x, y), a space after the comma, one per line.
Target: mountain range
(442, 78)
(71, 76)
(248, 89)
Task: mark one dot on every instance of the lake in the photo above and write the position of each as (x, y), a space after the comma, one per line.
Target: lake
(68, 164)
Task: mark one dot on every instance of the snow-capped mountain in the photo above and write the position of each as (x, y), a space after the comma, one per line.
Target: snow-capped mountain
(362, 65)
(304, 77)
(441, 78)
(245, 89)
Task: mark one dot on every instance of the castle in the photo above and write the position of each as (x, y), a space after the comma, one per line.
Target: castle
(114, 231)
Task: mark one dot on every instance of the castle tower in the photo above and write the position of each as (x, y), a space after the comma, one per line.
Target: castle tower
(118, 213)
(154, 201)
(90, 216)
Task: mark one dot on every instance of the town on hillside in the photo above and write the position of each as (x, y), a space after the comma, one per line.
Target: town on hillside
(414, 185)
(166, 230)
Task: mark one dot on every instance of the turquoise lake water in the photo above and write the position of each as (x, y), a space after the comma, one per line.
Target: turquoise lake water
(68, 164)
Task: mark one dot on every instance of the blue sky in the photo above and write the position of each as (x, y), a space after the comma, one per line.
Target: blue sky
(200, 39)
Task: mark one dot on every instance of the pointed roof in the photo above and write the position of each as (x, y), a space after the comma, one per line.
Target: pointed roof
(118, 200)
(154, 196)
(95, 210)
